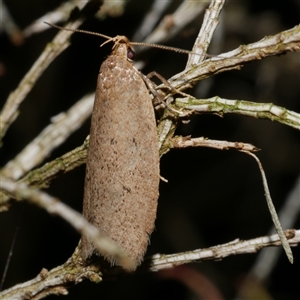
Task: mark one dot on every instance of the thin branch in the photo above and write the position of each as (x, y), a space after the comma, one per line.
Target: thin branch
(267, 259)
(210, 23)
(219, 252)
(189, 105)
(62, 14)
(63, 125)
(288, 214)
(42, 177)
(46, 282)
(252, 109)
(54, 206)
(173, 24)
(59, 14)
(285, 41)
(73, 272)
(272, 210)
(45, 175)
(151, 18)
(10, 110)
(185, 142)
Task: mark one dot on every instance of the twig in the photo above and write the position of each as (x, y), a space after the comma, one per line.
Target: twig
(288, 214)
(285, 41)
(50, 138)
(172, 24)
(59, 14)
(54, 206)
(272, 210)
(10, 110)
(267, 260)
(252, 109)
(72, 272)
(62, 13)
(54, 281)
(210, 23)
(153, 15)
(42, 177)
(219, 252)
(185, 142)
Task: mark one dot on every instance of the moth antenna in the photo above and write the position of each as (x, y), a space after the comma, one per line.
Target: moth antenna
(80, 30)
(163, 47)
(168, 48)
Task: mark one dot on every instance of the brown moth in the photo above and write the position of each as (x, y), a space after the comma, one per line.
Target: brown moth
(122, 169)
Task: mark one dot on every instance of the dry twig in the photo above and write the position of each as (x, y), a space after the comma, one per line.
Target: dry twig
(73, 272)
(54, 206)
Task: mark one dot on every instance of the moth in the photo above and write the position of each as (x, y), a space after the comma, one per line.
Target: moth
(122, 169)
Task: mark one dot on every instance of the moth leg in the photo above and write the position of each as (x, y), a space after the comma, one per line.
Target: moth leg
(166, 83)
(159, 101)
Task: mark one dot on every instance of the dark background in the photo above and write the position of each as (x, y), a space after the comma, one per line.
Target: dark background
(212, 196)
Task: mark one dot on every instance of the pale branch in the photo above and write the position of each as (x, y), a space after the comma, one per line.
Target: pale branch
(20, 191)
(43, 176)
(210, 23)
(252, 109)
(151, 18)
(162, 261)
(220, 106)
(272, 210)
(10, 110)
(62, 14)
(267, 259)
(72, 272)
(55, 281)
(185, 142)
(174, 23)
(62, 126)
(59, 14)
(285, 41)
